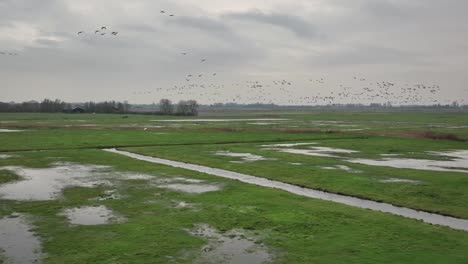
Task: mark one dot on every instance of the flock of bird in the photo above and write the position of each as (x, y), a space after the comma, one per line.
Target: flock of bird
(318, 90)
(102, 31)
(6, 53)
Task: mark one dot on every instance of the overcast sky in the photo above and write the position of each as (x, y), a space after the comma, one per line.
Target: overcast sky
(243, 41)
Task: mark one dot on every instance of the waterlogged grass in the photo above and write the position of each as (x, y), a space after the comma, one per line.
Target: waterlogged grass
(294, 229)
(440, 121)
(440, 192)
(90, 138)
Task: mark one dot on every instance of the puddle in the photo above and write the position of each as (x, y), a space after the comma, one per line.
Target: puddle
(263, 123)
(295, 163)
(5, 156)
(398, 180)
(310, 151)
(288, 145)
(10, 130)
(316, 151)
(246, 157)
(91, 215)
(341, 167)
(452, 222)
(219, 120)
(17, 243)
(457, 163)
(183, 205)
(192, 188)
(109, 195)
(41, 184)
(8, 122)
(232, 247)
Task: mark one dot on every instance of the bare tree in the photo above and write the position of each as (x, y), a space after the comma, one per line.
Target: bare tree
(166, 107)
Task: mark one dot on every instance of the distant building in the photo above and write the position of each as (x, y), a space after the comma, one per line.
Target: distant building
(74, 110)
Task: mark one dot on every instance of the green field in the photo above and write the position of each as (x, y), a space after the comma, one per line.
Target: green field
(290, 228)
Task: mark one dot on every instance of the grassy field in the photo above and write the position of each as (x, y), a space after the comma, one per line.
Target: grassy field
(292, 228)
(436, 194)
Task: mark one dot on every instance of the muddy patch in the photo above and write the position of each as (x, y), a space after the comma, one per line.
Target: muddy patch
(341, 167)
(109, 195)
(91, 215)
(17, 243)
(182, 204)
(457, 161)
(192, 188)
(245, 157)
(399, 180)
(233, 247)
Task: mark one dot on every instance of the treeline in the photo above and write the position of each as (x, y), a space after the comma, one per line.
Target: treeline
(46, 106)
(182, 108)
(166, 107)
(108, 107)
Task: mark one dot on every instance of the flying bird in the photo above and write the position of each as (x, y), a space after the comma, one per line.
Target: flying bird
(80, 32)
(184, 53)
(115, 33)
(203, 60)
(103, 28)
(96, 31)
(171, 15)
(162, 11)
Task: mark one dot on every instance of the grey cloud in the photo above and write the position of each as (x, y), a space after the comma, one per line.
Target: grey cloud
(296, 24)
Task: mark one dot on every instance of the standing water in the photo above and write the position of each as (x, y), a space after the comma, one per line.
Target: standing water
(452, 222)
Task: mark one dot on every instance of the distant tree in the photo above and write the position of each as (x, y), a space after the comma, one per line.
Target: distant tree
(166, 107)
(182, 108)
(192, 107)
(187, 108)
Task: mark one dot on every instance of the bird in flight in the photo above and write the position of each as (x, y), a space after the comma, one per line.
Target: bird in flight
(115, 33)
(96, 31)
(184, 53)
(102, 34)
(171, 15)
(203, 60)
(80, 32)
(162, 11)
(103, 28)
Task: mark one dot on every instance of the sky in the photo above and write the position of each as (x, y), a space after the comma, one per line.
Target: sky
(268, 51)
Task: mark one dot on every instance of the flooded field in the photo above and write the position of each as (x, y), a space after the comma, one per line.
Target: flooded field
(91, 215)
(352, 201)
(245, 157)
(221, 120)
(232, 247)
(457, 162)
(266, 187)
(18, 244)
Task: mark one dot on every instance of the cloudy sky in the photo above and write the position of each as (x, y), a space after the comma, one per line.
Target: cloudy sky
(350, 44)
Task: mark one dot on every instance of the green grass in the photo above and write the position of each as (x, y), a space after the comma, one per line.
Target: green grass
(441, 192)
(295, 229)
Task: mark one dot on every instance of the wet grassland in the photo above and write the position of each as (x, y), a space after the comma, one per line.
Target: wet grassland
(67, 200)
